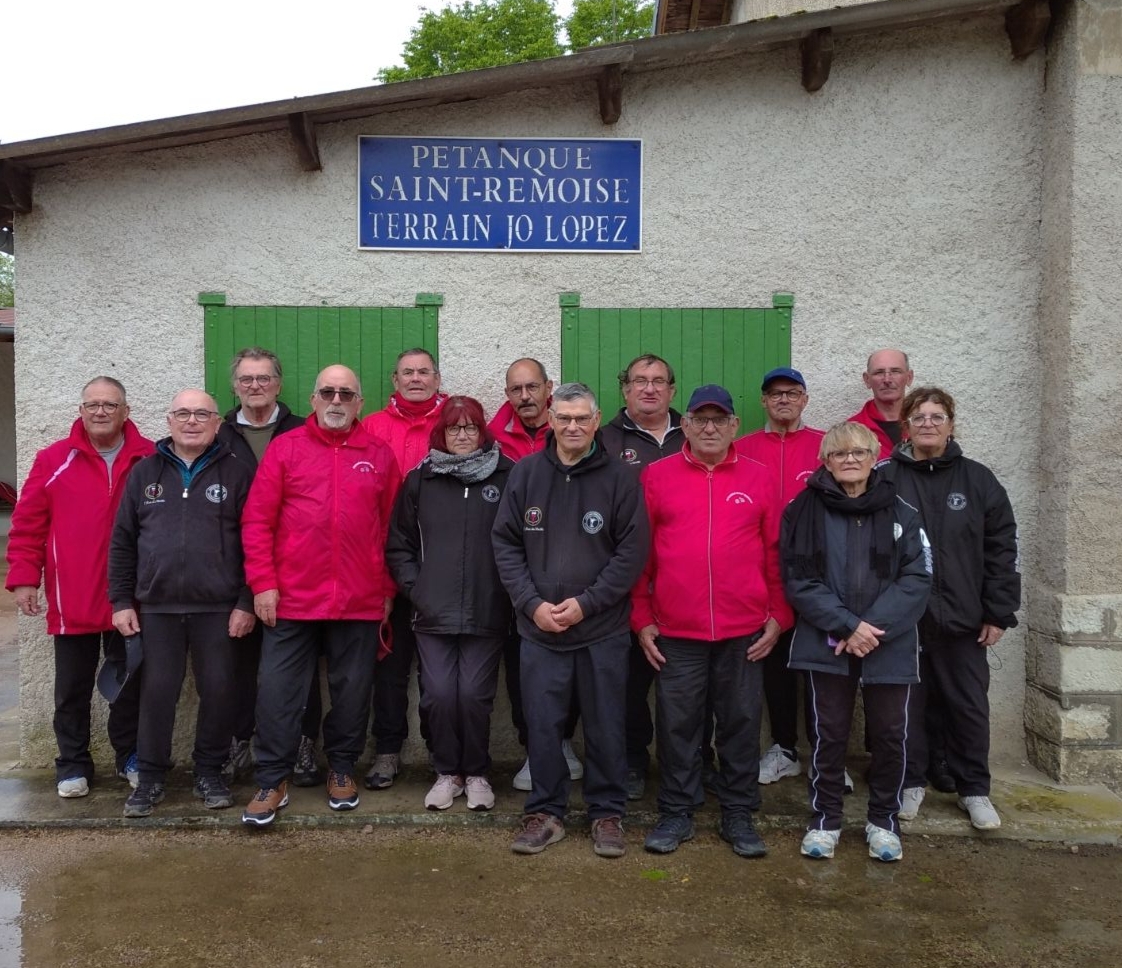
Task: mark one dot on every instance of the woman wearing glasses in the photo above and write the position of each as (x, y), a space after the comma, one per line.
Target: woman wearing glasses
(976, 594)
(857, 571)
(439, 551)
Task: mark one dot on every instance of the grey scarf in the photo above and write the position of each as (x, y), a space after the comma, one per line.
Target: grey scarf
(469, 468)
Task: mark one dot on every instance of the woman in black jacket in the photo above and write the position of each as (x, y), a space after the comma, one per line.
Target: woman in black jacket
(974, 598)
(439, 551)
(857, 570)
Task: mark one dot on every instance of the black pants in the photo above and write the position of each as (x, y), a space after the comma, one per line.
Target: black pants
(76, 660)
(953, 694)
(829, 715)
(168, 638)
(781, 691)
(460, 674)
(597, 673)
(390, 727)
(247, 657)
(512, 671)
(694, 673)
(640, 726)
(289, 653)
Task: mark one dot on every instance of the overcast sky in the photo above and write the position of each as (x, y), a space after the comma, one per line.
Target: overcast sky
(71, 65)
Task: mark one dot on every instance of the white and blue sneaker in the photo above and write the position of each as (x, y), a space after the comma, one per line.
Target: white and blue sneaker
(884, 845)
(131, 771)
(73, 786)
(820, 844)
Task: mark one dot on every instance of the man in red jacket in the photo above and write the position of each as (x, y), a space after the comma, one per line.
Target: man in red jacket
(708, 608)
(520, 425)
(405, 425)
(61, 525)
(314, 530)
(789, 449)
(888, 374)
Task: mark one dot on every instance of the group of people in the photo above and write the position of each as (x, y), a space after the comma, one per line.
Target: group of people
(662, 547)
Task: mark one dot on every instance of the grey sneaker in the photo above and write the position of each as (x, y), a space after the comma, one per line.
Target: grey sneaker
(607, 837)
(982, 814)
(142, 801)
(214, 793)
(73, 786)
(306, 772)
(539, 830)
(383, 771)
(910, 801)
(240, 760)
(884, 845)
(576, 767)
(671, 831)
(522, 779)
(480, 796)
(444, 791)
(636, 784)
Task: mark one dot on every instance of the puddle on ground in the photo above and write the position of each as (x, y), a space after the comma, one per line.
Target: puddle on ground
(429, 896)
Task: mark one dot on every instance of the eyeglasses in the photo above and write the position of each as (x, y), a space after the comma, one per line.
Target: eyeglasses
(328, 394)
(641, 382)
(201, 416)
(517, 391)
(859, 454)
(424, 372)
(580, 419)
(718, 422)
(107, 407)
(935, 419)
(462, 430)
(894, 372)
(262, 380)
(783, 394)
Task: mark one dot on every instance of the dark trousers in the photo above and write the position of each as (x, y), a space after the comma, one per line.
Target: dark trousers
(694, 673)
(247, 656)
(459, 676)
(640, 726)
(390, 727)
(781, 691)
(512, 671)
(829, 714)
(76, 660)
(289, 653)
(951, 704)
(597, 673)
(168, 638)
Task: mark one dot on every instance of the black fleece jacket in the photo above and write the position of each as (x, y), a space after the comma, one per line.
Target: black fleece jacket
(232, 433)
(572, 532)
(176, 543)
(626, 440)
(970, 523)
(439, 552)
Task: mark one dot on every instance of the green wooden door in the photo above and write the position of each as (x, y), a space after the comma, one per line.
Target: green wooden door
(308, 338)
(732, 347)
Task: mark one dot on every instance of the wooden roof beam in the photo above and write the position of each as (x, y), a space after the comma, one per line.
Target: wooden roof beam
(609, 84)
(816, 51)
(303, 133)
(15, 187)
(1027, 26)
(695, 13)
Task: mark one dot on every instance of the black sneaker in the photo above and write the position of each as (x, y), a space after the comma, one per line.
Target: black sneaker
(738, 829)
(306, 772)
(939, 776)
(142, 801)
(214, 793)
(669, 833)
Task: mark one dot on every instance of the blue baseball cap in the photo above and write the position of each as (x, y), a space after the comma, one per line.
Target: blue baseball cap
(783, 373)
(711, 395)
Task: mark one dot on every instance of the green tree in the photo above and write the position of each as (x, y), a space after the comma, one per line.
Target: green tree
(487, 33)
(7, 281)
(596, 22)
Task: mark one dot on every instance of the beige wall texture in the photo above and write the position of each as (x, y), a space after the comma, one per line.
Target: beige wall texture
(901, 205)
(7, 412)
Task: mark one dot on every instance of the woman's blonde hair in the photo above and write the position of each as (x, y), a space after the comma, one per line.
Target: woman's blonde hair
(848, 436)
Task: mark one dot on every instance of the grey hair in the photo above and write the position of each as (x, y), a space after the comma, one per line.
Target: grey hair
(255, 353)
(568, 392)
(112, 381)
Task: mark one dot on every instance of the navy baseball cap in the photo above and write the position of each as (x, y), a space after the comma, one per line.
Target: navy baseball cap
(783, 373)
(711, 395)
(117, 671)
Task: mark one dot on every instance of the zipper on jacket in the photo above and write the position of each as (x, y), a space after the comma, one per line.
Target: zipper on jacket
(709, 557)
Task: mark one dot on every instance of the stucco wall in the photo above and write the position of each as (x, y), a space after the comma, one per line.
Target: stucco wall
(899, 204)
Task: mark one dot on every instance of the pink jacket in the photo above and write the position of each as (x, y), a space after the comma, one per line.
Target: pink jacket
(408, 437)
(713, 568)
(792, 457)
(61, 525)
(868, 415)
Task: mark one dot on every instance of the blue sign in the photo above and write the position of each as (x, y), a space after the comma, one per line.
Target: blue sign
(500, 194)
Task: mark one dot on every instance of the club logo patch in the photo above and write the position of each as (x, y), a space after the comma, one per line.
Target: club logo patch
(592, 522)
(737, 497)
(216, 493)
(897, 531)
(363, 467)
(154, 492)
(490, 494)
(956, 501)
(533, 517)
(629, 456)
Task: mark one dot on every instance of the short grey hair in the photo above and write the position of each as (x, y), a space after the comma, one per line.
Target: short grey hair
(110, 381)
(568, 392)
(255, 353)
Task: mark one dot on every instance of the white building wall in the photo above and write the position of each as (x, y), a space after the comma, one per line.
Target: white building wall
(900, 204)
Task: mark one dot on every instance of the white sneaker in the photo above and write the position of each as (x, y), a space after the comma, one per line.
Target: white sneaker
(820, 843)
(480, 796)
(910, 800)
(73, 786)
(982, 814)
(776, 763)
(447, 787)
(883, 844)
(576, 768)
(522, 780)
